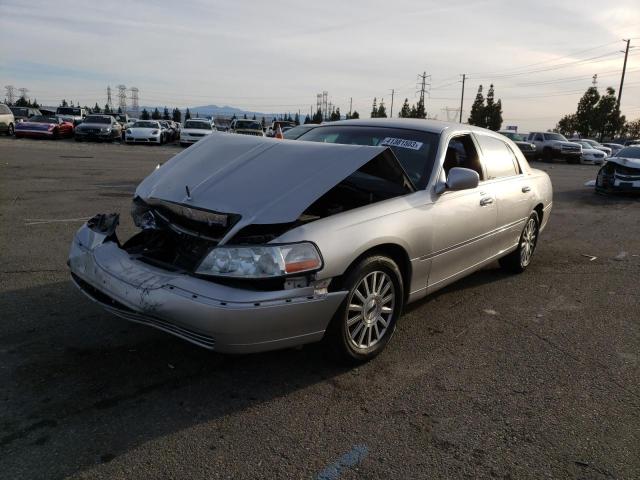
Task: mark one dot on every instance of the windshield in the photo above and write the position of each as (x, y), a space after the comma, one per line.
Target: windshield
(628, 152)
(554, 136)
(144, 124)
(414, 149)
(68, 111)
(20, 112)
(248, 124)
(97, 119)
(295, 132)
(513, 136)
(593, 143)
(197, 125)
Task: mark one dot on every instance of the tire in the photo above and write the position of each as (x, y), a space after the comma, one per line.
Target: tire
(182, 144)
(55, 135)
(11, 130)
(573, 160)
(547, 155)
(376, 291)
(77, 139)
(518, 260)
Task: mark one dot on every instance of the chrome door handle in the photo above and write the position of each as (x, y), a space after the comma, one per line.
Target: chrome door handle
(486, 201)
(526, 189)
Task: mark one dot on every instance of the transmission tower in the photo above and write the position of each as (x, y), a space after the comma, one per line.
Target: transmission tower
(325, 104)
(23, 92)
(451, 113)
(122, 98)
(134, 99)
(11, 94)
(109, 101)
(319, 102)
(423, 86)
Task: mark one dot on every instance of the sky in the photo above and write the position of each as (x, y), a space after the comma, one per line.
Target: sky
(276, 56)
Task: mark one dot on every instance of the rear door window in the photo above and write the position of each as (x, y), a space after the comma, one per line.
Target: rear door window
(498, 158)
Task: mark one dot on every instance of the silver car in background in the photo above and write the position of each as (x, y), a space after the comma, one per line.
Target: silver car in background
(249, 244)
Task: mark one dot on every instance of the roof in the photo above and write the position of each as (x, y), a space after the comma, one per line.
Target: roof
(432, 126)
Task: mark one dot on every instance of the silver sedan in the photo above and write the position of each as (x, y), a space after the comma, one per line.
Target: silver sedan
(249, 244)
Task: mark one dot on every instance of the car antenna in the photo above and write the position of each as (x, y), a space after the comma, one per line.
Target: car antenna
(188, 192)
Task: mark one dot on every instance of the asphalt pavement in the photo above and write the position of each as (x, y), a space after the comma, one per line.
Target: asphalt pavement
(497, 376)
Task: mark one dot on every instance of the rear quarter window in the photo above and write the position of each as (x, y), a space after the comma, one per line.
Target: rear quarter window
(4, 110)
(498, 158)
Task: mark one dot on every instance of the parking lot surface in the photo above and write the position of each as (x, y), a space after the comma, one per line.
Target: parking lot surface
(497, 376)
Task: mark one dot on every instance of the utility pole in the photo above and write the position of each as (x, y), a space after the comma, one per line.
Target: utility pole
(391, 110)
(624, 69)
(464, 77)
(350, 105)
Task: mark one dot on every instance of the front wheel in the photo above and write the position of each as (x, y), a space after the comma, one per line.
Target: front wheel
(366, 320)
(518, 260)
(11, 130)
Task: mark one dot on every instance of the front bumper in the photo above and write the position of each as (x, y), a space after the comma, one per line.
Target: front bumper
(189, 139)
(211, 315)
(131, 139)
(93, 135)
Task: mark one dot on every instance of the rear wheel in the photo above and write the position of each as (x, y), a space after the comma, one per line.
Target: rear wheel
(11, 130)
(518, 260)
(547, 155)
(366, 320)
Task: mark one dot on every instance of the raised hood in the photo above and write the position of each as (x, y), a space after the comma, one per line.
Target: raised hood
(262, 179)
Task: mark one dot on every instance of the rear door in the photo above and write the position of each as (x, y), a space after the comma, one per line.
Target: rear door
(512, 189)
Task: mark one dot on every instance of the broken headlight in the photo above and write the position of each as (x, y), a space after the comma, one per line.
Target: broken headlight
(261, 261)
(142, 214)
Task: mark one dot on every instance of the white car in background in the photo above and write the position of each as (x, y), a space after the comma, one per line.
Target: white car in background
(590, 154)
(615, 147)
(598, 146)
(144, 131)
(194, 130)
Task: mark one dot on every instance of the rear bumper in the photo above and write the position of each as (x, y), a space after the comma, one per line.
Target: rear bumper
(211, 315)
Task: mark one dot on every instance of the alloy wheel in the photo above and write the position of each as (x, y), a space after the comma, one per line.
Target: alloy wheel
(370, 309)
(528, 242)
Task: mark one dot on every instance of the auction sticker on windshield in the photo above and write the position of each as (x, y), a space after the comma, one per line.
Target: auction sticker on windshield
(401, 142)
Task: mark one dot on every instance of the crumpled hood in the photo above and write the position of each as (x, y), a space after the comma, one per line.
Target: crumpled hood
(625, 162)
(264, 180)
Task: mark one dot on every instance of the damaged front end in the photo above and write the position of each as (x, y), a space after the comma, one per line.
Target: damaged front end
(206, 264)
(619, 175)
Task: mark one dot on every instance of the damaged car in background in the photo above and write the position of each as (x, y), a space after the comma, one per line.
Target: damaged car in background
(621, 172)
(248, 244)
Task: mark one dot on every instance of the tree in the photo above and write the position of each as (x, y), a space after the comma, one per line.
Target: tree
(156, 114)
(405, 111)
(34, 104)
(567, 125)
(187, 115)
(355, 114)
(493, 111)
(244, 116)
(607, 118)
(96, 108)
(176, 115)
(119, 109)
(585, 114)
(22, 102)
(107, 108)
(296, 119)
(307, 119)
(317, 117)
(64, 103)
(335, 115)
(633, 128)
(477, 117)
(382, 111)
(165, 114)
(144, 115)
(374, 109)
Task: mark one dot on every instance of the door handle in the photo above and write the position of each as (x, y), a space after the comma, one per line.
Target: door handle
(486, 201)
(526, 189)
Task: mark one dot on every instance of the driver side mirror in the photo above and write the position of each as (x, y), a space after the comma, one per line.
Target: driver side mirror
(459, 179)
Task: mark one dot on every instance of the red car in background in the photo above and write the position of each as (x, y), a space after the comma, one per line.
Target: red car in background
(44, 127)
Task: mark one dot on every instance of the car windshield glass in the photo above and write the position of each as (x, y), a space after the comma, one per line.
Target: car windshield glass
(68, 111)
(198, 125)
(414, 149)
(20, 112)
(145, 125)
(554, 136)
(295, 132)
(249, 125)
(97, 119)
(629, 152)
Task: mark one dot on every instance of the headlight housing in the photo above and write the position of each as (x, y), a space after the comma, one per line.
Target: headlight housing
(261, 261)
